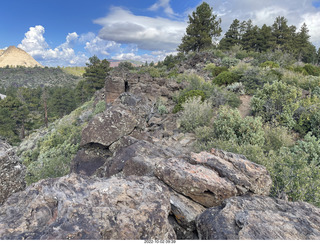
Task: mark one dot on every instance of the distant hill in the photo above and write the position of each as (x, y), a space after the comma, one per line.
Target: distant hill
(36, 76)
(13, 57)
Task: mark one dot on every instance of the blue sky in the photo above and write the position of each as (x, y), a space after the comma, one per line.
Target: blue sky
(68, 32)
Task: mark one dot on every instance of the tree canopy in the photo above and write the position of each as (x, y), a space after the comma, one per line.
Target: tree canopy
(203, 27)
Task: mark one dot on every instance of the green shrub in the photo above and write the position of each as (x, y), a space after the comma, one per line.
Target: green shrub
(100, 107)
(54, 151)
(276, 137)
(269, 64)
(195, 114)
(229, 126)
(254, 78)
(312, 70)
(53, 154)
(161, 107)
(210, 67)
(276, 102)
(236, 87)
(229, 62)
(226, 78)
(152, 71)
(295, 171)
(221, 96)
(217, 70)
(308, 116)
(185, 96)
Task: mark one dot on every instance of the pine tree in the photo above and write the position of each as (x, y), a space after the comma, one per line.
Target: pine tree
(95, 75)
(281, 32)
(250, 37)
(232, 37)
(265, 39)
(202, 28)
(304, 48)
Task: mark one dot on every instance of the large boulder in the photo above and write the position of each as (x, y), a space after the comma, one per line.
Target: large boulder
(259, 218)
(210, 178)
(107, 127)
(12, 173)
(73, 207)
(139, 158)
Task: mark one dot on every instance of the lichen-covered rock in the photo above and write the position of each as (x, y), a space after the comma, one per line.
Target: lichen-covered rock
(247, 176)
(73, 207)
(12, 173)
(107, 127)
(259, 218)
(210, 178)
(138, 158)
(200, 183)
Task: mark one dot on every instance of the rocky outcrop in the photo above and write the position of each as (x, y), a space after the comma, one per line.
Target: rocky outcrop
(210, 178)
(259, 218)
(248, 177)
(73, 207)
(108, 127)
(120, 81)
(135, 157)
(12, 173)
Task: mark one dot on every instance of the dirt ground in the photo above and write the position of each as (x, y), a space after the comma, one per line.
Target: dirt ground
(244, 108)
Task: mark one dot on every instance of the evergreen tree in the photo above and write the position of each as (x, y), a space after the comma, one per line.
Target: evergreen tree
(281, 32)
(318, 57)
(202, 28)
(250, 37)
(231, 37)
(95, 75)
(304, 49)
(265, 39)
(17, 112)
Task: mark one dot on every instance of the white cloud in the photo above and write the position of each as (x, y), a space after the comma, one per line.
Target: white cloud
(165, 4)
(154, 56)
(147, 33)
(35, 44)
(312, 21)
(97, 46)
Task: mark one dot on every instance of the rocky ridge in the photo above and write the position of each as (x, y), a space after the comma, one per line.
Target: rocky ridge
(135, 177)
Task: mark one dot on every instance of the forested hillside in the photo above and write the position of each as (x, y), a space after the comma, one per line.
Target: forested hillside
(34, 77)
(38, 96)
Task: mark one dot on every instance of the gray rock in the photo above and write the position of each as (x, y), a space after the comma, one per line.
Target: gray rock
(210, 178)
(107, 127)
(259, 218)
(201, 184)
(73, 207)
(88, 160)
(12, 173)
(247, 176)
(138, 158)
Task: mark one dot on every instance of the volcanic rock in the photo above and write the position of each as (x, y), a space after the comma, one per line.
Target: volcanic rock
(75, 207)
(12, 173)
(259, 218)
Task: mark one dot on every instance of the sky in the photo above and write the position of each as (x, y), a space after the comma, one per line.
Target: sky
(68, 32)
